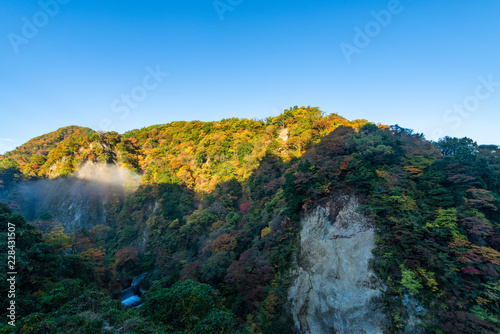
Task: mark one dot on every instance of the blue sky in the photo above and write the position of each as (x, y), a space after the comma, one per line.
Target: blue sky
(432, 66)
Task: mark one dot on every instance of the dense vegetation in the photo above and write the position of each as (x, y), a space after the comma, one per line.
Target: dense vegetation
(216, 219)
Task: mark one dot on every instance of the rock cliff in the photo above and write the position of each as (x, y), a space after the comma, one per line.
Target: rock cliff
(335, 290)
(80, 200)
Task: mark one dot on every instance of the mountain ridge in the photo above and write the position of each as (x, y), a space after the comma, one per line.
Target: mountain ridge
(219, 213)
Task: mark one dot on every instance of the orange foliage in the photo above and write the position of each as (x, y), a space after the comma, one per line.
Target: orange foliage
(124, 255)
(224, 242)
(487, 253)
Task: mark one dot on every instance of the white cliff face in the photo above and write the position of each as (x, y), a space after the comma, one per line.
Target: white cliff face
(335, 291)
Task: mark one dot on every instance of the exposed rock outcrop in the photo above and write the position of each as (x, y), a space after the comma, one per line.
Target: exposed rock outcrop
(78, 201)
(335, 291)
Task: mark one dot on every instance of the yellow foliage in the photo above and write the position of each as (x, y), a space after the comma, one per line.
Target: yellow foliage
(217, 225)
(488, 254)
(463, 259)
(414, 171)
(429, 278)
(58, 238)
(482, 301)
(265, 231)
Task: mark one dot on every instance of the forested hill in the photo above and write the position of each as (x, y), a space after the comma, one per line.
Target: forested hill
(198, 154)
(217, 216)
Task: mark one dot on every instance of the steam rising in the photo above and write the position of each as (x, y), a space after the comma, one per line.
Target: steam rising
(79, 201)
(107, 174)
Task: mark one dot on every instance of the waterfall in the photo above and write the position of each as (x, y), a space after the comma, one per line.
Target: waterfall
(127, 293)
(137, 280)
(131, 296)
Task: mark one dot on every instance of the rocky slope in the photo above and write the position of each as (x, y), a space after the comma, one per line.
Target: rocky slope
(79, 201)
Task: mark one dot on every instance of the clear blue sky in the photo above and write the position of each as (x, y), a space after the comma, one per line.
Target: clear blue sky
(254, 60)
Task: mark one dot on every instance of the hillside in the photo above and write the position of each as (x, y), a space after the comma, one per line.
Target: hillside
(379, 228)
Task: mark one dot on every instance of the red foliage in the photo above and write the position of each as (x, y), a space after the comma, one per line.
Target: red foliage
(248, 274)
(191, 271)
(477, 226)
(471, 271)
(244, 207)
(464, 323)
(127, 255)
(272, 186)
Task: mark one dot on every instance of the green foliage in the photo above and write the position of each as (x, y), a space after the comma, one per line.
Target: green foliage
(189, 307)
(61, 293)
(88, 313)
(445, 224)
(220, 202)
(461, 148)
(409, 281)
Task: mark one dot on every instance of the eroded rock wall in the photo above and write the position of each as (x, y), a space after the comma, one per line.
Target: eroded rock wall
(79, 201)
(335, 291)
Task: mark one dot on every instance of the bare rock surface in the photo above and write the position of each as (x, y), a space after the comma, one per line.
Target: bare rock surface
(335, 291)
